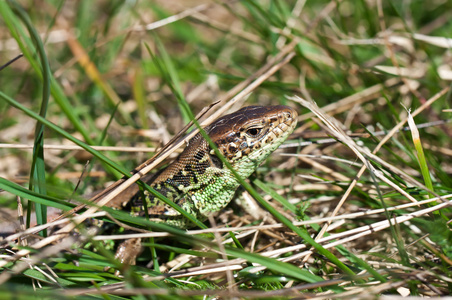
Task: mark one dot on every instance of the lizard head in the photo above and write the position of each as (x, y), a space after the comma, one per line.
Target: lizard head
(252, 132)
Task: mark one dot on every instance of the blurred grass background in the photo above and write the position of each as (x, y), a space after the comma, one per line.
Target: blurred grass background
(107, 89)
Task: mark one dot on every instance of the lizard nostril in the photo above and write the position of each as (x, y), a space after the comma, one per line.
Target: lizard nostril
(288, 114)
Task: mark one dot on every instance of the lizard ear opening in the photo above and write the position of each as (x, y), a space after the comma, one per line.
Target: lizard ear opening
(216, 161)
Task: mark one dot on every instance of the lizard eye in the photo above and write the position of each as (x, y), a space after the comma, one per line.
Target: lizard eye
(253, 132)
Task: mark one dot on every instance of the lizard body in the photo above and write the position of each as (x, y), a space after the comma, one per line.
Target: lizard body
(198, 181)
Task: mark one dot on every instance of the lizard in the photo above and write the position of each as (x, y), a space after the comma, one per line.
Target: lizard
(198, 181)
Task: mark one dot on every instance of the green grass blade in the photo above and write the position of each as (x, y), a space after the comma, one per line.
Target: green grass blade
(38, 178)
(168, 71)
(63, 133)
(420, 154)
(271, 263)
(275, 195)
(45, 200)
(139, 95)
(57, 92)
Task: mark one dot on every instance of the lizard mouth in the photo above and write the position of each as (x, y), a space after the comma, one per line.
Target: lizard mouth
(282, 127)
